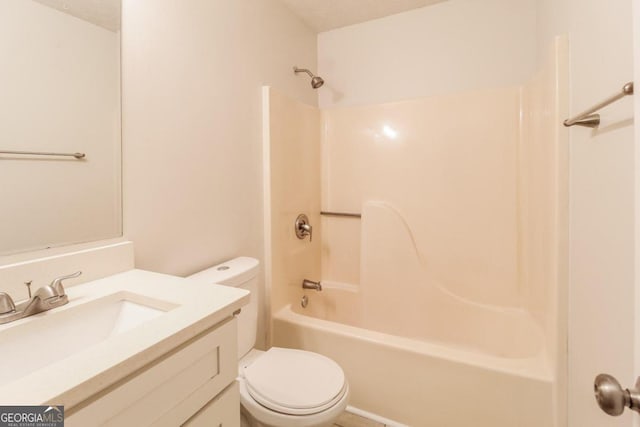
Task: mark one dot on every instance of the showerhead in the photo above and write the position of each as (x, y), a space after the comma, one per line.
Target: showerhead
(316, 81)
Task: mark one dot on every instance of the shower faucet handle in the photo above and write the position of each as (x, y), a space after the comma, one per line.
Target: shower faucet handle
(307, 230)
(303, 228)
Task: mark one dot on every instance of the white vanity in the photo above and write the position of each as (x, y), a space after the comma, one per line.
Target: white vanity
(135, 348)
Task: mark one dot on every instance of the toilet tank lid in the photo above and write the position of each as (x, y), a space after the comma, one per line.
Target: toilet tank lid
(234, 272)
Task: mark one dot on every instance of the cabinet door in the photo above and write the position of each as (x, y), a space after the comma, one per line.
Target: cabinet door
(169, 390)
(223, 411)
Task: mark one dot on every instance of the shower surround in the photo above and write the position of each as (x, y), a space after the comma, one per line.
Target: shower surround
(456, 268)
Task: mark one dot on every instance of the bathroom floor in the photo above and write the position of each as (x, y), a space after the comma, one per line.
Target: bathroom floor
(348, 419)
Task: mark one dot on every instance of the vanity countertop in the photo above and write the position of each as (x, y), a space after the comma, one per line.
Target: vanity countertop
(191, 309)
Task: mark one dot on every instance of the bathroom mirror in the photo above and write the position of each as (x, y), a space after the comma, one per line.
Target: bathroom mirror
(60, 79)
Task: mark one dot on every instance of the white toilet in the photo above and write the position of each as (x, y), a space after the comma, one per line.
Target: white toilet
(280, 387)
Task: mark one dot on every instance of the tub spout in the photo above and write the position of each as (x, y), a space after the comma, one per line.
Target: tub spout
(310, 284)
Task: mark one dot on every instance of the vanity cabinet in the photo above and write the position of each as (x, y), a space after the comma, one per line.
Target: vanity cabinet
(192, 385)
(224, 410)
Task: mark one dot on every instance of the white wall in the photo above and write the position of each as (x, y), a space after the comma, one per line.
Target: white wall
(192, 76)
(454, 46)
(601, 266)
(602, 208)
(60, 93)
(552, 18)
(636, 61)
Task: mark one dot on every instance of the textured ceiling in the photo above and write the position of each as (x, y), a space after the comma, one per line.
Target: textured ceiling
(104, 13)
(323, 15)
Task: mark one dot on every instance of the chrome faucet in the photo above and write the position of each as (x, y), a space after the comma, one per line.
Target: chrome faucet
(310, 284)
(45, 298)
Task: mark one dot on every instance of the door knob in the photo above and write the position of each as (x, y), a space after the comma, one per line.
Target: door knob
(612, 399)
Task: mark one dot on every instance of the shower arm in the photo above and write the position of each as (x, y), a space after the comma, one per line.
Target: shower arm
(303, 70)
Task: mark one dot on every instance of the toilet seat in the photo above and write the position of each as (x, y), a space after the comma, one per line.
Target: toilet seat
(295, 382)
(263, 416)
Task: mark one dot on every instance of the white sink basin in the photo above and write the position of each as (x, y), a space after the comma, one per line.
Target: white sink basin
(55, 335)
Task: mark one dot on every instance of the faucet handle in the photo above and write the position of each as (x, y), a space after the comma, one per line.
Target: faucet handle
(6, 303)
(303, 227)
(57, 283)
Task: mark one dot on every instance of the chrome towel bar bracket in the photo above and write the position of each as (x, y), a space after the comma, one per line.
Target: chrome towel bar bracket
(589, 119)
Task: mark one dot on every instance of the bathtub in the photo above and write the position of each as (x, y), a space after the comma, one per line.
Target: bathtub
(444, 376)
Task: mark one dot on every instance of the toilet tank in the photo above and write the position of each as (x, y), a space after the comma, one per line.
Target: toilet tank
(239, 272)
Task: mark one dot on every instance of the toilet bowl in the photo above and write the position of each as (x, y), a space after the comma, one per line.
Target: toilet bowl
(279, 387)
(288, 388)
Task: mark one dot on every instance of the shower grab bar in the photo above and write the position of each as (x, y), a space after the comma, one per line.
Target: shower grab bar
(44, 153)
(588, 119)
(342, 214)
